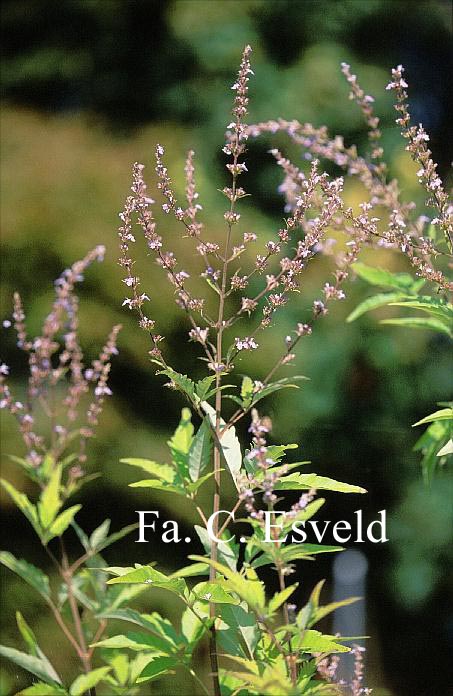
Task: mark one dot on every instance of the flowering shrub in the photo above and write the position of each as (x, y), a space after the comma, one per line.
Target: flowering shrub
(258, 644)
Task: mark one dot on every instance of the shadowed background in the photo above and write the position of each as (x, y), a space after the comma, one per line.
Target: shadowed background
(89, 87)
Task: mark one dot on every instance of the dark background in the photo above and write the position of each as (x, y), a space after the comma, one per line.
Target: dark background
(90, 86)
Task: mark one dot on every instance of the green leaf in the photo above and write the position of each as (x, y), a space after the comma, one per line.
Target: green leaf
(120, 666)
(28, 572)
(202, 387)
(247, 388)
(180, 443)
(192, 570)
(323, 611)
(99, 534)
(137, 665)
(195, 485)
(32, 664)
(157, 668)
(154, 623)
(280, 598)
(155, 645)
(50, 503)
(182, 382)
(62, 522)
(85, 682)
(285, 383)
(153, 577)
(305, 514)
(231, 447)
(379, 276)
(374, 302)
(24, 505)
(314, 641)
(446, 449)
(420, 323)
(239, 621)
(83, 538)
(125, 642)
(227, 551)
(443, 414)
(43, 689)
(200, 451)
(33, 647)
(30, 470)
(298, 481)
(277, 452)
(116, 536)
(213, 592)
(27, 634)
(250, 589)
(192, 628)
(431, 305)
(434, 437)
(158, 486)
(162, 471)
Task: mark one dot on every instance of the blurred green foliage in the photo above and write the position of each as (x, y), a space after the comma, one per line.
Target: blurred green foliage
(89, 87)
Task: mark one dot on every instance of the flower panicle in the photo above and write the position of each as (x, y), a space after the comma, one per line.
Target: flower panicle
(194, 227)
(365, 103)
(420, 153)
(55, 358)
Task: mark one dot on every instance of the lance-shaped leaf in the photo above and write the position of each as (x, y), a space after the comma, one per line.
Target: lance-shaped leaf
(231, 447)
(165, 472)
(99, 534)
(85, 682)
(430, 305)
(61, 523)
(192, 628)
(378, 276)
(293, 551)
(27, 634)
(157, 668)
(281, 597)
(42, 689)
(238, 621)
(301, 516)
(374, 302)
(308, 481)
(50, 502)
(154, 623)
(430, 323)
(285, 383)
(314, 642)
(272, 681)
(182, 382)
(227, 551)
(180, 443)
(441, 415)
(446, 449)
(213, 593)
(28, 572)
(34, 665)
(150, 576)
(200, 451)
(33, 647)
(192, 570)
(249, 588)
(24, 505)
(155, 645)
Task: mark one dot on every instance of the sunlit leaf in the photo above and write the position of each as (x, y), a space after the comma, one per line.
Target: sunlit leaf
(231, 447)
(85, 682)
